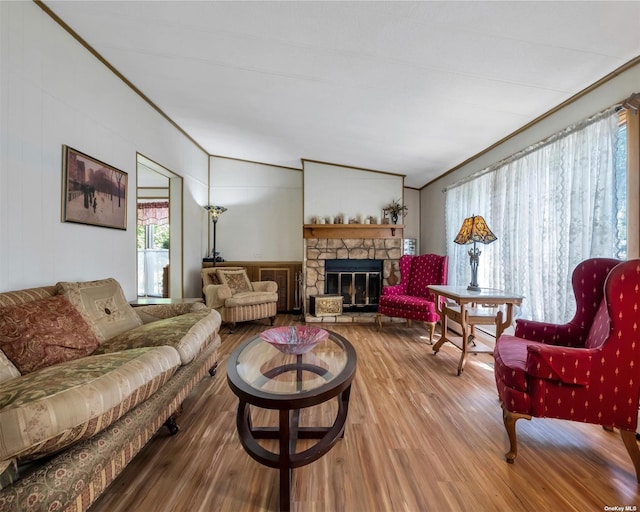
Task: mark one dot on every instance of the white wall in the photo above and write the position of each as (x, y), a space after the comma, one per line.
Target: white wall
(54, 92)
(432, 196)
(265, 204)
(412, 219)
(264, 217)
(330, 190)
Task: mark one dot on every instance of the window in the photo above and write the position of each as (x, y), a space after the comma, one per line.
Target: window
(153, 247)
(551, 206)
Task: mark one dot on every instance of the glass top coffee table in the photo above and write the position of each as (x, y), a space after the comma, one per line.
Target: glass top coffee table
(262, 376)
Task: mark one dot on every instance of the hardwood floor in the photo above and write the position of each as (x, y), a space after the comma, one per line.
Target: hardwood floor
(418, 438)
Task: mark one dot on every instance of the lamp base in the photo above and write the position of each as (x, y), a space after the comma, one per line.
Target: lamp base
(473, 288)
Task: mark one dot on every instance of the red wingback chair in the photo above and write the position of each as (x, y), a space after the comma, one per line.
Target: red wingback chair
(411, 298)
(586, 370)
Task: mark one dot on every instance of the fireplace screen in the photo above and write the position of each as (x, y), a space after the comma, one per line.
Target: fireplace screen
(358, 281)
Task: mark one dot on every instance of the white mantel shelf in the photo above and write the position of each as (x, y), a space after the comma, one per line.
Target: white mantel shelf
(353, 230)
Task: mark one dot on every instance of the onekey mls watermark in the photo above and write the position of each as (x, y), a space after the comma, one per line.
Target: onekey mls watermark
(620, 508)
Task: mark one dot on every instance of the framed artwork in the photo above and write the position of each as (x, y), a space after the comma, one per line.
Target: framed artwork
(92, 192)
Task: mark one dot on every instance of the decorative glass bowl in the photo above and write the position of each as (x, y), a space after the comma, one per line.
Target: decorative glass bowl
(298, 339)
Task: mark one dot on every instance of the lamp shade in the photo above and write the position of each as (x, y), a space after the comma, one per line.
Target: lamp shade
(475, 229)
(215, 211)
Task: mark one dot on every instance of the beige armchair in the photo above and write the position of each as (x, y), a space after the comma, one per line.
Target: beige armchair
(229, 291)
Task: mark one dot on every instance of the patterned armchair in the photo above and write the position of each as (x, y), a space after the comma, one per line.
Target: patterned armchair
(229, 291)
(411, 299)
(585, 370)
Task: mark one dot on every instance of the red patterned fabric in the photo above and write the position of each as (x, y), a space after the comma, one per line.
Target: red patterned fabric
(513, 399)
(405, 271)
(587, 281)
(411, 298)
(600, 328)
(426, 269)
(592, 378)
(43, 333)
(511, 362)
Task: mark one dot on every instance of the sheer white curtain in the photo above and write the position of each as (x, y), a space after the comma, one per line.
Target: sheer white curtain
(551, 206)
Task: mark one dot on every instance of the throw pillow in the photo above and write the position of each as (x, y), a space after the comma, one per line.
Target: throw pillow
(209, 276)
(43, 333)
(103, 305)
(236, 280)
(8, 370)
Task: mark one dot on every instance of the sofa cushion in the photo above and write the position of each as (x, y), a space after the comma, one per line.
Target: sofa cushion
(8, 472)
(237, 280)
(510, 356)
(408, 303)
(50, 409)
(250, 298)
(103, 305)
(153, 313)
(188, 334)
(43, 333)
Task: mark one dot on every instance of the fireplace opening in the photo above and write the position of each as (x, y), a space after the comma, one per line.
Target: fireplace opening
(358, 282)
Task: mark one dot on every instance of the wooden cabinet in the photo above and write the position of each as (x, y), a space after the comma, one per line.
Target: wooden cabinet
(284, 273)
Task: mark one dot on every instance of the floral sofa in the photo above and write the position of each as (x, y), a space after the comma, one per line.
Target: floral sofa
(85, 381)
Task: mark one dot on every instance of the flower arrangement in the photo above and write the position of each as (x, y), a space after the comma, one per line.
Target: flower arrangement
(394, 209)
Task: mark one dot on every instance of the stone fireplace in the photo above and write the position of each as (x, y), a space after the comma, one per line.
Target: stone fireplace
(358, 282)
(348, 243)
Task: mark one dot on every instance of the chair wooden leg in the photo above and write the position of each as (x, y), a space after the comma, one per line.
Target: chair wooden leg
(630, 443)
(379, 321)
(432, 331)
(510, 419)
(272, 319)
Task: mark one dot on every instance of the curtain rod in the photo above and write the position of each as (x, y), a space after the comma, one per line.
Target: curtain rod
(631, 103)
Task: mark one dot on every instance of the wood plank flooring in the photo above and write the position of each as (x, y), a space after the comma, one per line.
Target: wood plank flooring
(418, 438)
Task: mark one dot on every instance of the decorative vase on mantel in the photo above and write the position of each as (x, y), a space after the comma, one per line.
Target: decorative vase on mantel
(394, 209)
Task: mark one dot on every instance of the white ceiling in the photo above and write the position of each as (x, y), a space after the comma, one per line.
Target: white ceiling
(412, 88)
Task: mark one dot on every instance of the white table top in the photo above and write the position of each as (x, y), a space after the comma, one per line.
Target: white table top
(484, 295)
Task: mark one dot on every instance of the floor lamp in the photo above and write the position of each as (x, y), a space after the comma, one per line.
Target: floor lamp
(474, 230)
(214, 213)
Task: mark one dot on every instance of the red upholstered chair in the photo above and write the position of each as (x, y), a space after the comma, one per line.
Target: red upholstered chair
(411, 298)
(586, 370)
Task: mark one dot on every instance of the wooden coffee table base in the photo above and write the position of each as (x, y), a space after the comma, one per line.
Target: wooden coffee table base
(287, 435)
(263, 377)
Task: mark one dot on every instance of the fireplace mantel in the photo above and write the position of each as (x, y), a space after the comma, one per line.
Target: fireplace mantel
(353, 230)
